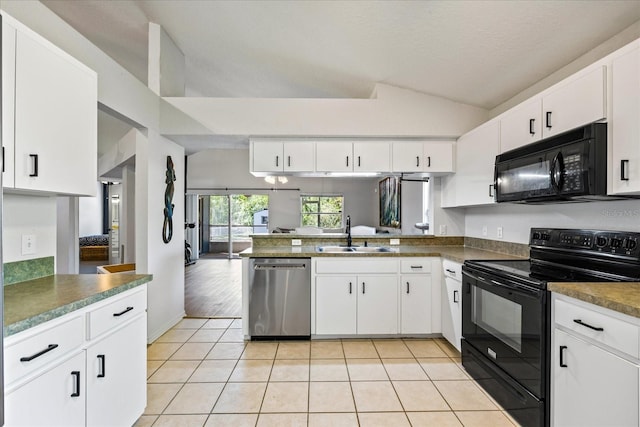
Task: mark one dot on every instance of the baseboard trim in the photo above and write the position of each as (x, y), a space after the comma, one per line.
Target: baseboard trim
(154, 335)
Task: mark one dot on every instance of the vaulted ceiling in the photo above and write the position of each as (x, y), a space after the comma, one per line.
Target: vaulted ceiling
(477, 52)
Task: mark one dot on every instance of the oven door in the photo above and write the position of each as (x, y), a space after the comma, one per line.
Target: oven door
(506, 322)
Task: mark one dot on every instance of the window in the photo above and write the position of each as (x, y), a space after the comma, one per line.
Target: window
(322, 211)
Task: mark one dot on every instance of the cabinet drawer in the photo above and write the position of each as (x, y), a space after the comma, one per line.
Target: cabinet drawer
(615, 333)
(116, 313)
(452, 269)
(356, 265)
(36, 351)
(417, 265)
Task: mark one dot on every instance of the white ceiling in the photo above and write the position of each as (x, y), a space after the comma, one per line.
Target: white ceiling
(477, 52)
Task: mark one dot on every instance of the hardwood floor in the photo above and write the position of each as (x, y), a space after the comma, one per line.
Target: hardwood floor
(213, 288)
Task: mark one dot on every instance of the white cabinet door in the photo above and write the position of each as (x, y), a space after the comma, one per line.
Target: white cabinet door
(117, 364)
(267, 156)
(55, 398)
(438, 157)
(336, 305)
(452, 312)
(415, 291)
(430, 156)
(522, 125)
(580, 101)
(333, 156)
(371, 156)
(594, 387)
(298, 157)
(407, 156)
(377, 304)
(625, 124)
(476, 155)
(8, 102)
(55, 121)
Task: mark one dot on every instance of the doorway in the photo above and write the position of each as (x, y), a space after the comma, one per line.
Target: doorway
(233, 218)
(213, 285)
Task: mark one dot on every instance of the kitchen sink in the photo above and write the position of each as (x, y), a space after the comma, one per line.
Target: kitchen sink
(353, 249)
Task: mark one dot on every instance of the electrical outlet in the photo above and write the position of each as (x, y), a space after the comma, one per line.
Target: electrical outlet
(484, 231)
(443, 229)
(28, 244)
(296, 242)
(499, 232)
(394, 242)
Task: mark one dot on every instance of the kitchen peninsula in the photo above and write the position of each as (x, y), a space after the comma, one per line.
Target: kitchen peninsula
(385, 286)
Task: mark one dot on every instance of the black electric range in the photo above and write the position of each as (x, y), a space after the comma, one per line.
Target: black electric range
(506, 310)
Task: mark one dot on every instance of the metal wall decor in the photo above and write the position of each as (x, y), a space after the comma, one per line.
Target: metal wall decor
(167, 227)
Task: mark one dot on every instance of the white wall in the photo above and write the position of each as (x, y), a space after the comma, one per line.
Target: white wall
(164, 261)
(90, 219)
(516, 219)
(392, 112)
(68, 247)
(411, 206)
(28, 215)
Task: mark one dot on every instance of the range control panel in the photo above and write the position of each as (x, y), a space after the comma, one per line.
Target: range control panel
(598, 241)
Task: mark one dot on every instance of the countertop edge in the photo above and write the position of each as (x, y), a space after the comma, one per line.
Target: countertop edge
(62, 310)
(599, 299)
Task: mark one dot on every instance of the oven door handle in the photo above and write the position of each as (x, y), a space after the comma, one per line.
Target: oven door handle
(511, 287)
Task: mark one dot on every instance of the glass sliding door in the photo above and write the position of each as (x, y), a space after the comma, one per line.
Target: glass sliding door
(233, 219)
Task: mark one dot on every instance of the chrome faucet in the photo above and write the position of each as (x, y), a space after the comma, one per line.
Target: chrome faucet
(348, 231)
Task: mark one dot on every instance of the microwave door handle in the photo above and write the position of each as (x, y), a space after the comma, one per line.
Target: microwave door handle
(557, 172)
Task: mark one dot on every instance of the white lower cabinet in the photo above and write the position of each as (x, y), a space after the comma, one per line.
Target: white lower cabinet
(336, 305)
(373, 296)
(593, 387)
(55, 398)
(74, 378)
(415, 296)
(377, 305)
(347, 305)
(452, 303)
(595, 372)
(116, 364)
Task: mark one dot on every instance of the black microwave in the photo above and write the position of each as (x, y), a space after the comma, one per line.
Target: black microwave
(568, 167)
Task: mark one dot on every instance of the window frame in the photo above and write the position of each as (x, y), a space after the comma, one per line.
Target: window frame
(319, 213)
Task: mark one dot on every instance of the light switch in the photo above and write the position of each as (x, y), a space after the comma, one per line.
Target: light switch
(28, 244)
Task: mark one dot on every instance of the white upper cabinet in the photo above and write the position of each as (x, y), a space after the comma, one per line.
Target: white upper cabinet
(371, 156)
(574, 102)
(55, 115)
(345, 156)
(577, 101)
(475, 159)
(269, 156)
(428, 156)
(522, 125)
(8, 102)
(334, 156)
(625, 124)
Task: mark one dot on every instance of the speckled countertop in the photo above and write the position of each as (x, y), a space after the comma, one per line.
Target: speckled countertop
(453, 253)
(29, 303)
(623, 297)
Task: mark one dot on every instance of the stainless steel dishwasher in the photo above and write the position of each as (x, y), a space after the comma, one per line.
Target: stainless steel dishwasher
(280, 298)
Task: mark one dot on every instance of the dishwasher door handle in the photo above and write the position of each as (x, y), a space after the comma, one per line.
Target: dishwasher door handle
(279, 266)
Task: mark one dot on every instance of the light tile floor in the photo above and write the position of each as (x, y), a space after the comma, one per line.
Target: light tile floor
(202, 374)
